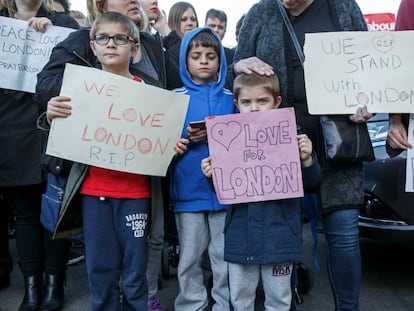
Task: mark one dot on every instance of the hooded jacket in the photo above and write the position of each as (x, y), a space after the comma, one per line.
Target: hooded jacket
(190, 190)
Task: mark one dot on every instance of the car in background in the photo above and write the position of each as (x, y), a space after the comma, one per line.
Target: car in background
(388, 212)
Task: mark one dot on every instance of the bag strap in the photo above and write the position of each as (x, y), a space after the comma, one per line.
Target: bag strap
(146, 77)
(301, 57)
(291, 31)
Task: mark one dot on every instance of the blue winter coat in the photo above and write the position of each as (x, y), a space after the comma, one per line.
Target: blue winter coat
(190, 190)
(267, 232)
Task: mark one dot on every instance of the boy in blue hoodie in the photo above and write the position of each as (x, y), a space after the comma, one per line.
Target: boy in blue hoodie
(199, 216)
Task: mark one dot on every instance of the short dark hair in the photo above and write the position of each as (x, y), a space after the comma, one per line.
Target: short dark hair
(65, 4)
(214, 13)
(205, 38)
(270, 83)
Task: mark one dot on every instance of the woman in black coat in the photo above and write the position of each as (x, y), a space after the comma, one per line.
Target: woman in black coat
(21, 181)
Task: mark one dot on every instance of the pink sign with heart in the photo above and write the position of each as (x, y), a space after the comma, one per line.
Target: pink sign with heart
(255, 156)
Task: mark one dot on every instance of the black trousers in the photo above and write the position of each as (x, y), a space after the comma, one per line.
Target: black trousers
(37, 251)
(6, 262)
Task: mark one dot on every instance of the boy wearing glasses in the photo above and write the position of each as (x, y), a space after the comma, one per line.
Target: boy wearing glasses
(114, 254)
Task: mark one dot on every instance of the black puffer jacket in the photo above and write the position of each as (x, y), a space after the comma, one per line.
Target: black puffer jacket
(20, 140)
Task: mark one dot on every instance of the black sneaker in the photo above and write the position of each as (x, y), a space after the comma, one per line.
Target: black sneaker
(74, 258)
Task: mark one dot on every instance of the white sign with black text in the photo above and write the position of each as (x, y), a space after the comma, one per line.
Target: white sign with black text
(347, 70)
(24, 52)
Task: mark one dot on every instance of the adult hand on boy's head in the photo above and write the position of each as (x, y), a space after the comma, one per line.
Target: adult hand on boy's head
(196, 134)
(58, 107)
(305, 149)
(253, 64)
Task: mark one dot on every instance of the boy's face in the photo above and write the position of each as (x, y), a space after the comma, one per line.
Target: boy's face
(202, 64)
(114, 56)
(256, 98)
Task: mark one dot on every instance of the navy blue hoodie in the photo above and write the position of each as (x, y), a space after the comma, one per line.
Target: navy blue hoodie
(190, 189)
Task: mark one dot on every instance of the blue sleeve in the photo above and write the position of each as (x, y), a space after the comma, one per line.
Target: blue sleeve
(311, 175)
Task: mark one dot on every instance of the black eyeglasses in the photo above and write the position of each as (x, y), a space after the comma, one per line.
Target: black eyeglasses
(119, 39)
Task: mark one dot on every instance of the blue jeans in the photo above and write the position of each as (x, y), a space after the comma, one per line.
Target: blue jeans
(344, 257)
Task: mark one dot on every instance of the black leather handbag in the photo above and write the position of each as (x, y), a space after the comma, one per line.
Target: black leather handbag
(346, 141)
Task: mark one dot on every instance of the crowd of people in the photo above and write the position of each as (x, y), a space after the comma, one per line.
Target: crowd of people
(176, 53)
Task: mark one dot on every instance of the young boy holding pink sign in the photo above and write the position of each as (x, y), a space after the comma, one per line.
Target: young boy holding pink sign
(263, 239)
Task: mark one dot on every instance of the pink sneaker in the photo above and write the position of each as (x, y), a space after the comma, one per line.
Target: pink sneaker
(153, 304)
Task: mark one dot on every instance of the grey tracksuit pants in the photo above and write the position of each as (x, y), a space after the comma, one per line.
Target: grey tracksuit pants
(198, 232)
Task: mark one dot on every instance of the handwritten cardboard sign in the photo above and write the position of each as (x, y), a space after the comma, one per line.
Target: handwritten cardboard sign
(117, 123)
(347, 70)
(24, 52)
(255, 156)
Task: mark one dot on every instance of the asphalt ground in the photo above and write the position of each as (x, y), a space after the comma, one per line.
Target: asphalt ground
(387, 281)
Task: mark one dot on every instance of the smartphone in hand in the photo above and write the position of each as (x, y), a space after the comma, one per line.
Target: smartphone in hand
(198, 124)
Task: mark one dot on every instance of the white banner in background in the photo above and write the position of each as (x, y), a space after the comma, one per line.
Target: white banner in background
(24, 52)
(347, 70)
